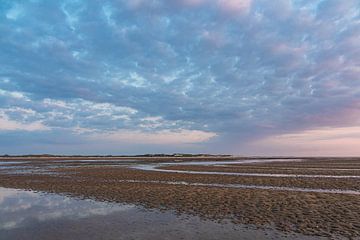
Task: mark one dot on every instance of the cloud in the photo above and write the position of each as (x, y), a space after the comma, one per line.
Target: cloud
(8, 125)
(14, 12)
(342, 141)
(235, 6)
(161, 137)
(243, 70)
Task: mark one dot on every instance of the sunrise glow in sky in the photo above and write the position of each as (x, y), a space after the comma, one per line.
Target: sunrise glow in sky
(252, 77)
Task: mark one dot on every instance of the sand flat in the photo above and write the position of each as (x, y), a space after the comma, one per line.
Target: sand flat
(327, 207)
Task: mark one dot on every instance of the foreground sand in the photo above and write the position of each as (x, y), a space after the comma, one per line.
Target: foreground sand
(311, 213)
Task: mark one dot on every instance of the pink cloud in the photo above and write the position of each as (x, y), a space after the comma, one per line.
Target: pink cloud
(330, 141)
(235, 6)
(164, 137)
(10, 125)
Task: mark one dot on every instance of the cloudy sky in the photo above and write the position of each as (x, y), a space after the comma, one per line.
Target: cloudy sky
(254, 77)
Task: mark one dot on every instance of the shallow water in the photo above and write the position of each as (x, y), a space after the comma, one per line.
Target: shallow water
(96, 160)
(9, 162)
(156, 167)
(244, 186)
(48, 167)
(31, 215)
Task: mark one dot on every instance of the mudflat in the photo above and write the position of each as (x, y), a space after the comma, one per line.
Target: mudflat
(311, 196)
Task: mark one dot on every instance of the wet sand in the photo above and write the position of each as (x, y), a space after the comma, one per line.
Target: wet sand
(41, 216)
(313, 213)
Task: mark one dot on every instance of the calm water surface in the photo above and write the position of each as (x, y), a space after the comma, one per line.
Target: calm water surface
(31, 215)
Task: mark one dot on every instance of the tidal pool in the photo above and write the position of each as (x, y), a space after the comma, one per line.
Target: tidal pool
(157, 167)
(32, 215)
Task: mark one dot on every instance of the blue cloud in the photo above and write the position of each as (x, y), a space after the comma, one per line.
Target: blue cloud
(240, 69)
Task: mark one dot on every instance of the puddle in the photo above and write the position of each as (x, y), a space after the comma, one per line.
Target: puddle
(10, 162)
(49, 167)
(31, 215)
(156, 167)
(248, 161)
(17, 207)
(95, 160)
(298, 168)
(244, 186)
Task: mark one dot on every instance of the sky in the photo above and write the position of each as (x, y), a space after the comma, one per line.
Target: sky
(244, 77)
